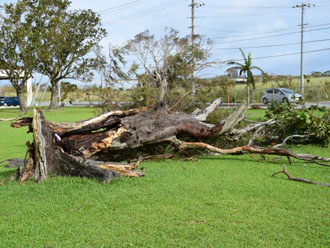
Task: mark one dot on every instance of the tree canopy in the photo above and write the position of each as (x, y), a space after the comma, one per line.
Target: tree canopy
(47, 37)
(64, 39)
(166, 62)
(16, 48)
(246, 67)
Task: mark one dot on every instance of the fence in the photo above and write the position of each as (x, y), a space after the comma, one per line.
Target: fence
(312, 94)
(93, 95)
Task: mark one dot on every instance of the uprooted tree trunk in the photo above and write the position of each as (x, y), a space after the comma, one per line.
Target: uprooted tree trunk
(84, 148)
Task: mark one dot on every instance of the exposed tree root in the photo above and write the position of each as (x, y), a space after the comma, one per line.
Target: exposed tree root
(297, 179)
(85, 148)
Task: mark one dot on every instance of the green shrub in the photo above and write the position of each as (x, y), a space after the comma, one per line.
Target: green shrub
(301, 121)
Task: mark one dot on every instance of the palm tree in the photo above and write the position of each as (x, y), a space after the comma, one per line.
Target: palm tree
(247, 68)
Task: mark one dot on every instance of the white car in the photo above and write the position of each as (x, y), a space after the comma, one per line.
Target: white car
(281, 95)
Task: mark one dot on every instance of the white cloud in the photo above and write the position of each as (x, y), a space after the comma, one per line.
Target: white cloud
(224, 18)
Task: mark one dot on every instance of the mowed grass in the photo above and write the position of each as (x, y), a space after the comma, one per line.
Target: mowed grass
(220, 201)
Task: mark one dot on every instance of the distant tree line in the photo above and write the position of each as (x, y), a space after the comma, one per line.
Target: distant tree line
(49, 38)
(320, 74)
(44, 36)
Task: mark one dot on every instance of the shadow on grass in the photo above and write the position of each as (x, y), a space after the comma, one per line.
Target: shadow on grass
(272, 160)
(6, 174)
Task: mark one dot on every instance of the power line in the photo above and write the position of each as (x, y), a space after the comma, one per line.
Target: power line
(249, 7)
(122, 6)
(248, 32)
(145, 12)
(243, 33)
(280, 55)
(255, 33)
(267, 32)
(266, 46)
(255, 11)
(311, 34)
(252, 14)
(264, 37)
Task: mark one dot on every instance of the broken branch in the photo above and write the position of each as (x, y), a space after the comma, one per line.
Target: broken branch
(292, 137)
(297, 179)
(258, 150)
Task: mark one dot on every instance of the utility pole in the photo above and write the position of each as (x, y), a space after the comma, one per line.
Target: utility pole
(302, 6)
(193, 5)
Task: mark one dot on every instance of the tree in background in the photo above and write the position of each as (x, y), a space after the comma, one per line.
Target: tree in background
(111, 72)
(166, 62)
(64, 39)
(247, 68)
(67, 89)
(17, 53)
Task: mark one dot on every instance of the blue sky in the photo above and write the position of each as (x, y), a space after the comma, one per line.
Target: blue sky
(232, 24)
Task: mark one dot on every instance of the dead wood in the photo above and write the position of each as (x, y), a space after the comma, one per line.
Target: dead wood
(85, 148)
(46, 156)
(238, 133)
(251, 150)
(233, 119)
(8, 119)
(22, 122)
(202, 115)
(255, 135)
(76, 148)
(297, 179)
(293, 137)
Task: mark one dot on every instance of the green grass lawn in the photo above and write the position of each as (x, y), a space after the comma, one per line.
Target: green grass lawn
(220, 201)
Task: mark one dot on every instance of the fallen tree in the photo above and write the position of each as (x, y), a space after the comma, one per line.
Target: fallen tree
(85, 148)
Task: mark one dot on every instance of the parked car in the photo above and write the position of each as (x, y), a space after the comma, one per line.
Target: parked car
(9, 101)
(282, 95)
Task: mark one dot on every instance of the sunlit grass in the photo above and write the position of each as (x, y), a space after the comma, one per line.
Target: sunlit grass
(220, 201)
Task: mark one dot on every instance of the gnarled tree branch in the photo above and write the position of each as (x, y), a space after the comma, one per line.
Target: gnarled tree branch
(297, 179)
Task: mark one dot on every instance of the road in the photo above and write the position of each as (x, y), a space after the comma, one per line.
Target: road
(223, 105)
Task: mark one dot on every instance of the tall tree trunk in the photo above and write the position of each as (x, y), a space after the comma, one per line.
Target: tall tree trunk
(163, 93)
(53, 101)
(248, 94)
(19, 92)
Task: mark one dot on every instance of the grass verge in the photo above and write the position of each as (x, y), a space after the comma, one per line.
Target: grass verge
(221, 201)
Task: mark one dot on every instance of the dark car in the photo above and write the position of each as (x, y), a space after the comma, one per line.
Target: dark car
(9, 101)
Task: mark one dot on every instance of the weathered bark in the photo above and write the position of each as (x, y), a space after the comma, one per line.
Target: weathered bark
(19, 93)
(53, 98)
(202, 115)
(85, 148)
(163, 92)
(47, 156)
(75, 148)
